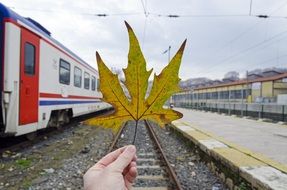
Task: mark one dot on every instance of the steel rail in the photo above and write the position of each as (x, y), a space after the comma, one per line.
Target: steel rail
(112, 146)
(169, 167)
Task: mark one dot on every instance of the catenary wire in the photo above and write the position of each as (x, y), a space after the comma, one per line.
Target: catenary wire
(270, 39)
(146, 13)
(166, 15)
(243, 33)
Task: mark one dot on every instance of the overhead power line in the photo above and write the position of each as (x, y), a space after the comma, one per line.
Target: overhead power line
(146, 13)
(79, 13)
(265, 41)
(243, 33)
(254, 46)
(144, 8)
(211, 15)
(269, 60)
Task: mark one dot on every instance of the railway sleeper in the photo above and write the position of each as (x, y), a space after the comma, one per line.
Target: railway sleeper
(150, 188)
(153, 168)
(151, 175)
(149, 170)
(150, 182)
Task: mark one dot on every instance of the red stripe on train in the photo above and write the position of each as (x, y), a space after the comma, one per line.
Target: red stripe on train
(49, 95)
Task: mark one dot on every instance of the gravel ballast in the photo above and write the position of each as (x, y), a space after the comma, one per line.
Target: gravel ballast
(60, 161)
(191, 171)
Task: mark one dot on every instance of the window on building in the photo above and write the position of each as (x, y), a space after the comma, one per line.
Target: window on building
(214, 95)
(29, 59)
(208, 95)
(77, 77)
(195, 96)
(246, 93)
(232, 94)
(224, 94)
(239, 94)
(190, 96)
(93, 83)
(64, 72)
(87, 80)
(201, 96)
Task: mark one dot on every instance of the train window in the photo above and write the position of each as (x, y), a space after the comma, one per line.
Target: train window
(77, 77)
(64, 72)
(93, 83)
(29, 59)
(86, 80)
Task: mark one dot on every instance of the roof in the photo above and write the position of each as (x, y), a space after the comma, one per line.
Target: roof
(8, 13)
(244, 81)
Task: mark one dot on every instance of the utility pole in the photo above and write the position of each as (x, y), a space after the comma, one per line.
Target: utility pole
(250, 8)
(169, 47)
(229, 97)
(242, 99)
(242, 92)
(246, 93)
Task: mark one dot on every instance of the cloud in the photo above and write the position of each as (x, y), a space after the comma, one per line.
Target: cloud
(215, 45)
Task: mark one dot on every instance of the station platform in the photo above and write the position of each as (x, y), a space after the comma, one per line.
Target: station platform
(256, 149)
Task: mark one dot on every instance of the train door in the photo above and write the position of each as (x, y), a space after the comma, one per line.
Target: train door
(29, 78)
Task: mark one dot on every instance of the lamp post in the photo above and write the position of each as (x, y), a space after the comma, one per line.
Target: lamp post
(167, 51)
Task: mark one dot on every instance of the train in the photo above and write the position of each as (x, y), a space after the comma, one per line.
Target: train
(43, 84)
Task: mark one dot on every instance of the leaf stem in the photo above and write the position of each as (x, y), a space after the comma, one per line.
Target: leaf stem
(135, 134)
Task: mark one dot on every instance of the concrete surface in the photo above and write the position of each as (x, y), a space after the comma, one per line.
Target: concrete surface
(261, 137)
(258, 171)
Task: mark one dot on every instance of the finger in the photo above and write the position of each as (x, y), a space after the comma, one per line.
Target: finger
(132, 164)
(109, 158)
(130, 177)
(135, 158)
(124, 159)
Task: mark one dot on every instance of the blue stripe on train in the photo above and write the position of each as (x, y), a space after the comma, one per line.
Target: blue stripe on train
(60, 102)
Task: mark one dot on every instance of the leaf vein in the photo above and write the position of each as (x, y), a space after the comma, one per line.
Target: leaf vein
(119, 100)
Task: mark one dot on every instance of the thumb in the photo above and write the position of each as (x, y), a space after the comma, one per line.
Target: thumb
(124, 158)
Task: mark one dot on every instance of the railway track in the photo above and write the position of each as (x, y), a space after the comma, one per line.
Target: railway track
(154, 170)
(13, 144)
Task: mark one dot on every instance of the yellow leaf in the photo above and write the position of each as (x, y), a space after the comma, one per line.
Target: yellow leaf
(136, 81)
(136, 75)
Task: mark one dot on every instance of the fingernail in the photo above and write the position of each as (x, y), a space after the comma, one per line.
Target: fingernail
(131, 149)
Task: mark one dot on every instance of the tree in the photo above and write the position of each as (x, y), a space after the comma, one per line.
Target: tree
(232, 75)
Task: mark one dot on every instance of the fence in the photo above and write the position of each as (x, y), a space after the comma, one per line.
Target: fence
(269, 111)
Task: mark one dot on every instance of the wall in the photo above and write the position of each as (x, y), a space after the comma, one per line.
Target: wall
(267, 89)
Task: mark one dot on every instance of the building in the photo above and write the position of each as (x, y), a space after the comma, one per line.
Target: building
(261, 89)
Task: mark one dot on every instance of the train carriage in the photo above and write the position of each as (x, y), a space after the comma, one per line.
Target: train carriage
(42, 83)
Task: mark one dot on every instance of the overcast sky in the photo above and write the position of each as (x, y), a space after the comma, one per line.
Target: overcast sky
(221, 36)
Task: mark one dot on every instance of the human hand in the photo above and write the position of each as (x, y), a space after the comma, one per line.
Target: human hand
(117, 170)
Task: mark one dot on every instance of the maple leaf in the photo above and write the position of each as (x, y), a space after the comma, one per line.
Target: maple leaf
(137, 107)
